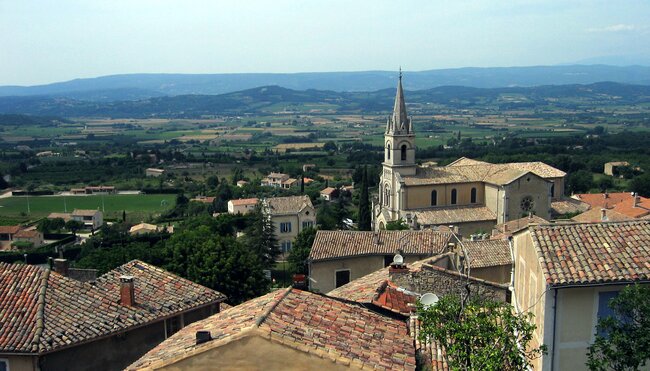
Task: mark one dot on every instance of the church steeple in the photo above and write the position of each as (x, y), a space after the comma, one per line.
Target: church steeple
(399, 122)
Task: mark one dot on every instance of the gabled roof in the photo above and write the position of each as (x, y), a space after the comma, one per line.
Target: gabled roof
(454, 214)
(328, 191)
(287, 205)
(603, 200)
(464, 161)
(81, 212)
(488, 253)
(341, 244)
(28, 234)
(632, 208)
(244, 201)
(9, 229)
(519, 224)
(595, 215)
(42, 311)
(332, 329)
(143, 226)
(593, 253)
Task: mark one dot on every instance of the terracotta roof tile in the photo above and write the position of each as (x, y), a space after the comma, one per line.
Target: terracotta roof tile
(454, 214)
(305, 321)
(287, 205)
(519, 224)
(41, 310)
(568, 206)
(244, 201)
(593, 252)
(488, 253)
(603, 200)
(9, 229)
(339, 244)
(595, 216)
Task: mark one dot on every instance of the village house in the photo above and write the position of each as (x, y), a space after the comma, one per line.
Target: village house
(275, 180)
(289, 215)
(288, 329)
(51, 321)
(93, 190)
(618, 206)
(610, 168)
(153, 172)
(565, 274)
(204, 199)
(475, 194)
(329, 193)
(64, 216)
(31, 237)
(241, 183)
(143, 228)
(242, 205)
(92, 219)
(338, 257)
(7, 233)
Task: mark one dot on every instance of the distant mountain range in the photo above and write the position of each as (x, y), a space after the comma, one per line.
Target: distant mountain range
(144, 86)
(273, 99)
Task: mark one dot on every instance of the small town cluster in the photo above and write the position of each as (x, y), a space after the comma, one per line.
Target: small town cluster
(470, 230)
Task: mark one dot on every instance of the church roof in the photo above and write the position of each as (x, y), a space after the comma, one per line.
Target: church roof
(399, 123)
(454, 214)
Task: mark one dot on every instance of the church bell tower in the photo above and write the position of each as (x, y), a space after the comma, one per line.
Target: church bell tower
(399, 138)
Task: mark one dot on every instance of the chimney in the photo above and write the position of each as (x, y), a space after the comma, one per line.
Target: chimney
(505, 228)
(603, 215)
(127, 294)
(606, 195)
(637, 199)
(203, 337)
(397, 269)
(61, 266)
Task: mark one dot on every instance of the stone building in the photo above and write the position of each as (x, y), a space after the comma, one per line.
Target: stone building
(473, 195)
(289, 215)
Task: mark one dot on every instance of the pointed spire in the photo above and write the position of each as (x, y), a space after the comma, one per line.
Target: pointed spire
(399, 122)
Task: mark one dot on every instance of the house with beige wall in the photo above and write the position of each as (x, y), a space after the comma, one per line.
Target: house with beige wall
(242, 205)
(290, 216)
(477, 194)
(338, 257)
(565, 275)
(92, 219)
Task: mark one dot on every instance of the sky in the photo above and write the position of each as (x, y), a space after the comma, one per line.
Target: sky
(44, 41)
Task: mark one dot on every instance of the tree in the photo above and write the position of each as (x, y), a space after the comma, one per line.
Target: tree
(480, 334)
(641, 184)
(221, 263)
(260, 237)
(123, 216)
(580, 181)
(397, 225)
(74, 226)
(48, 225)
(365, 222)
(300, 251)
(330, 146)
(623, 340)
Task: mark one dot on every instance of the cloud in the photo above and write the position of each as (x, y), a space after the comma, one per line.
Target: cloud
(621, 27)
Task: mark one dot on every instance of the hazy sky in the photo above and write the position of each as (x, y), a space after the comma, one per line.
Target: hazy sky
(53, 40)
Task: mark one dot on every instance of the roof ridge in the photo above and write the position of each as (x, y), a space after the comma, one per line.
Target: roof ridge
(266, 313)
(570, 224)
(40, 314)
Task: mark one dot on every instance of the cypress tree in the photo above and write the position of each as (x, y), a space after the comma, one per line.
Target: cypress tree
(364, 204)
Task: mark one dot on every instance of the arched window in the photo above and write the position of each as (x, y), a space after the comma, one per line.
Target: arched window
(472, 196)
(434, 198)
(454, 195)
(387, 196)
(403, 151)
(552, 190)
(388, 151)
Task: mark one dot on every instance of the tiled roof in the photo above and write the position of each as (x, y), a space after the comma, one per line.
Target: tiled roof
(454, 214)
(595, 215)
(143, 226)
(84, 212)
(332, 329)
(603, 200)
(340, 244)
(288, 205)
(464, 161)
(27, 234)
(568, 206)
(488, 253)
(9, 229)
(41, 310)
(395, 299)
(594, 252)
(629, 208)
(328, 191)
(519, 224)
(244, 201)
(499, 174)
(64, 216)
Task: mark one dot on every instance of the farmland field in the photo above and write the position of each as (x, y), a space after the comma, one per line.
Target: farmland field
(136, 206)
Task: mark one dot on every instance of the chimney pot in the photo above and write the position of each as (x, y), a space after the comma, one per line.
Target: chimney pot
(636, 199)
(203, 337)
(127, 292)
(61, 266)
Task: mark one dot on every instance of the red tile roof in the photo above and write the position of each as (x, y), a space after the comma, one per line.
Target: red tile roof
(595, 216)
(394, 298)
(603, 200)
(41, 310)
(333, 329)
(592, 253)
(244, 201)
(339, 244)
(9, 229)
(629, 208)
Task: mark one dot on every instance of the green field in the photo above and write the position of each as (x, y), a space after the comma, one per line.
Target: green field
(137, 207)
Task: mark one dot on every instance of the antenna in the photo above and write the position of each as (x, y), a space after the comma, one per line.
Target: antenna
(398, 259)
(428, 300)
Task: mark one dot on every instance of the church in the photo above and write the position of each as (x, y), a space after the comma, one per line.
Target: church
(471, 195)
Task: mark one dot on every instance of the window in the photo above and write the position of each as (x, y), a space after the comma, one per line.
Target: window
(307, 224)
(172, 325)
(604, 310)
(286, 246)
(454, 195)
(387, 196)
(552, 190)
(434, 198)
(285, 227)
(388, 151)
(403, 152)
(342, 277)
(4, 365)
(472, 196)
